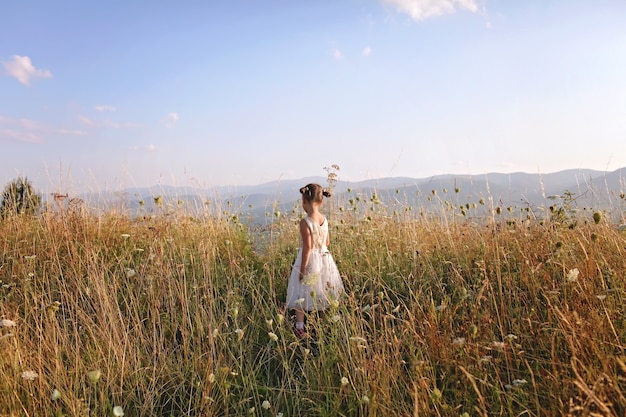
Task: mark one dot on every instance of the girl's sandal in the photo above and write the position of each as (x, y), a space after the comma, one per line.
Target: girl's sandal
(300, 333)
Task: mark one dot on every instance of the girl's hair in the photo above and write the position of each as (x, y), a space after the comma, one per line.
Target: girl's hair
(314, 192)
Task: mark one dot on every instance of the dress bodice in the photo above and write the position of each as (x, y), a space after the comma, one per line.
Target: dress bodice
(319, 233)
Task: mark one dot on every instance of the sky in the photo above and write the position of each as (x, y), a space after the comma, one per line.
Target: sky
(118, 94)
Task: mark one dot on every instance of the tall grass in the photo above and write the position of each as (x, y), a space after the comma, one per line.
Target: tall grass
(169, 315)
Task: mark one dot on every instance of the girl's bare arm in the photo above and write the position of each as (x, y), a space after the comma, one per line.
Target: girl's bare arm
(307, 243)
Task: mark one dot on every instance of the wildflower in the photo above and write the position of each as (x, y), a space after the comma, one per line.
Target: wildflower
(518, 382)
(459, 341)
(239, 333)
(281, 318)
(435, 395)
(216, 332)
(333, 303)
(269, 322)
(118, 411)
(273, 336)
(572, 275)
(29, 375)
(125, 235)
(499, 345)
(335, 318)
(300, 301)
(130, 273)
(365, 399)
(510, 337)
(251, 410)
(395, 310)
(94, 376)
(235, 312)
(344, 381)
(279, 415)
(56, 394)
(601, 297)
(7, 323)
(266, 405)
(211, 377)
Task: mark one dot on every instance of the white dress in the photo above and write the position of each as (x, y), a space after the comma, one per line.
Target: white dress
(321, 282)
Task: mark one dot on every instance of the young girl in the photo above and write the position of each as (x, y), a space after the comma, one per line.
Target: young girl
(315, 279)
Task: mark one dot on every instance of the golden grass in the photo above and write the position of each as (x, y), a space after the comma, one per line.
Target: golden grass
(170, 315)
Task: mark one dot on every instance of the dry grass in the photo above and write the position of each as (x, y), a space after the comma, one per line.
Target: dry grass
(183, 316)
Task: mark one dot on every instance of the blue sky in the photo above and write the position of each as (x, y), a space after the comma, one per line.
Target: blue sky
(109, 95)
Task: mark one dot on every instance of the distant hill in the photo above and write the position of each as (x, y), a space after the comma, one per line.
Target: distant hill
(597, 190)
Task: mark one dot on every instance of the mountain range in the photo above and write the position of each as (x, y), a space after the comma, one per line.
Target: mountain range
(575, 188)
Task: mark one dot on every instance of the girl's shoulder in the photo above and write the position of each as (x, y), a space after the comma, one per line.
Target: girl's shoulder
(316, 220)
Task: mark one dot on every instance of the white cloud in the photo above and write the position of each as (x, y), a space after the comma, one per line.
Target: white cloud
(87, 121)
(106, 123)
(366, 51)
(22, 69)
(337, 54)
(21, 130)
(424, 9)
(105, 108)
(30, 131)
(145, 148)
(171, 119)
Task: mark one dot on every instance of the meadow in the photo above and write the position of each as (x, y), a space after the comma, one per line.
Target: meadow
(445, 314)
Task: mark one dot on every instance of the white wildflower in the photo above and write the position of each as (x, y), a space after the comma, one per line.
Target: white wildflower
(344, 381)
(125, 235)
(300, 301)
(269, 322)
(335, 318)
(518, 382)
(56, 394)
(266, 405)
(499, 345)
(130, 273)
(310, 279)
(118, 411)
(572, 275)
(459, 341)
(29, 375)
(211, 377)
(601, 297)
(365, 399)
(7, 323)
(510, 336)
(273, 336)
(251, 410)
(94, 376)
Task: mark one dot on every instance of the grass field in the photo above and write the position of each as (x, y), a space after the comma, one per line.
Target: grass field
(444, 314)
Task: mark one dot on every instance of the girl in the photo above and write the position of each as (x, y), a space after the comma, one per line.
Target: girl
(314, 279)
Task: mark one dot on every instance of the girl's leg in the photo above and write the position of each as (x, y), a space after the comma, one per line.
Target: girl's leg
(300, 332)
